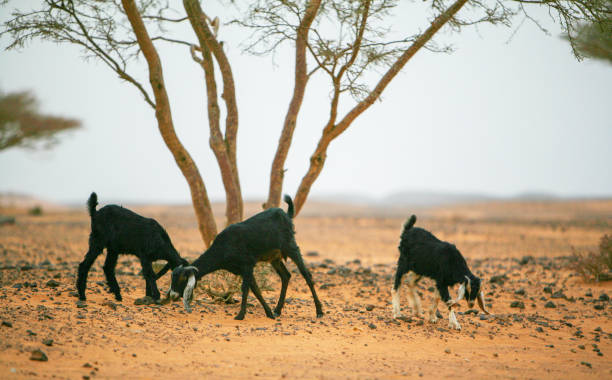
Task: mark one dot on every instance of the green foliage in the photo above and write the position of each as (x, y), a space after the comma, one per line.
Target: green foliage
(594, 40)
(158, 265)
(35, 211)
(595, 266)
(21, 125)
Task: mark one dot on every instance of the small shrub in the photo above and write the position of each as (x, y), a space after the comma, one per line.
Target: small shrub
(35, 211)
(158, 265)
(222, 285)
(595, 266)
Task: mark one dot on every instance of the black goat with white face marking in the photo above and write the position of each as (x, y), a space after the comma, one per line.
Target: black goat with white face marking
(268, 236)
(122, 231)
(422, 254)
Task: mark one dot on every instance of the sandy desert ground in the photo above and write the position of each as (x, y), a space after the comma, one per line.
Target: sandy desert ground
(561, 328)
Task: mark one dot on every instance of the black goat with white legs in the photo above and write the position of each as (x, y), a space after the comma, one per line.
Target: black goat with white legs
(122, 231)
(268, 236)
(423, 255)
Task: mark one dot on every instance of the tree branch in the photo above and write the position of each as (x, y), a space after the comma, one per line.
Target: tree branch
(317, 160)
(300, 81)
(224, 149)
(199, 195)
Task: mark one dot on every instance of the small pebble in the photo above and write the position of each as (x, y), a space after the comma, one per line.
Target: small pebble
(38, 355)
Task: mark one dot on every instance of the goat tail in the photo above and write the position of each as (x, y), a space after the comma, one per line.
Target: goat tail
(410, 222)
(92, 202)
(290, 209)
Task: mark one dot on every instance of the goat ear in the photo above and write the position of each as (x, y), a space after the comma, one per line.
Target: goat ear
(460, 292)
(188, 292)
(481, 302)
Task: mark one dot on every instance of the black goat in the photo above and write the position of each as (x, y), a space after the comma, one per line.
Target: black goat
(268, 236)
(422, 254)
(122, 231)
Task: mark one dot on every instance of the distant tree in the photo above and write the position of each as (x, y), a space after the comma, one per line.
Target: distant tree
(594, 40)
(349, 42)
(21, 124)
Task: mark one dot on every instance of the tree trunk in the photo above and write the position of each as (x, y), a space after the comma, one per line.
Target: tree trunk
(224, 148)
(199, 196)
(317, 160)
(301, 78)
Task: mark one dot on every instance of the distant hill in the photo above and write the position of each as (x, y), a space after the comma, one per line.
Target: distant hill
(404, 199)
(535, 196)
(423, 198)
(431, 198)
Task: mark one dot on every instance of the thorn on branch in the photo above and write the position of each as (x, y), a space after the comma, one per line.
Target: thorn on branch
(192, 50)
(214, 24)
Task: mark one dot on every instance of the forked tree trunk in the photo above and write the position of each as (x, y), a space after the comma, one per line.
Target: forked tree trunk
(317, 160)
(223, 147)
(301, 78)
(199, 196)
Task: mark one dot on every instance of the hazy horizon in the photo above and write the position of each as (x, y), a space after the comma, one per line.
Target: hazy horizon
(403, 198)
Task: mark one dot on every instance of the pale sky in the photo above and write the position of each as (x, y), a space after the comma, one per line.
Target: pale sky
(493, 117)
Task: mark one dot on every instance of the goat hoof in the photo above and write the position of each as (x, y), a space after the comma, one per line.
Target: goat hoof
(239, 317)
(320, 314)
(147, 300)
(277, 313)
(271, 316)
(455, 326)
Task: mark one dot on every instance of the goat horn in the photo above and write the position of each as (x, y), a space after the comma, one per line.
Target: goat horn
(481, 302)
(188, 292)
(192, 267)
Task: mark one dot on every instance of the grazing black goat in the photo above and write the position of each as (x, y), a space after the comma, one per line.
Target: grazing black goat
(122, 231)
(422, 254)
(267, 236)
